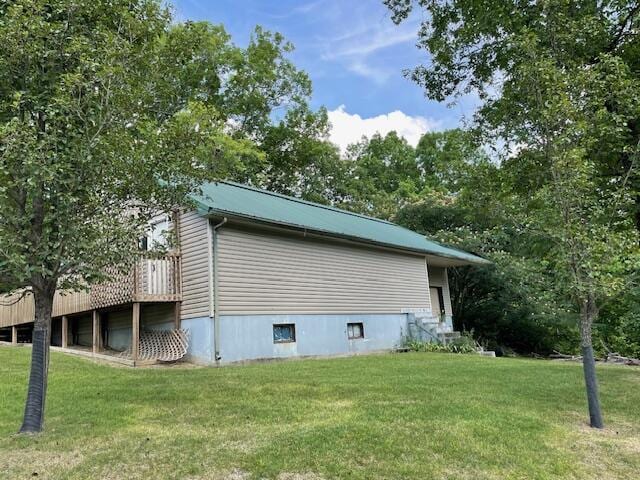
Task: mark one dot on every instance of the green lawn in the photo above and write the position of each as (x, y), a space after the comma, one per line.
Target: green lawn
(384, 416)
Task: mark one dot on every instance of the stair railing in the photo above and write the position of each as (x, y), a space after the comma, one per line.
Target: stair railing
(428, 332)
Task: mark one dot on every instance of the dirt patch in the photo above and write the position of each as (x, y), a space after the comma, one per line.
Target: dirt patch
(37, 464)
(299, 476)
(235, 474)
(620, 436)
(608, 453)
(243, 446)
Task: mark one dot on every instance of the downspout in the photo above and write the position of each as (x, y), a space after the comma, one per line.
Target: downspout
(216, 308)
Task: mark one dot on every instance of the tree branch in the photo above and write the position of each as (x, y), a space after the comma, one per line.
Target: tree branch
(23, 294)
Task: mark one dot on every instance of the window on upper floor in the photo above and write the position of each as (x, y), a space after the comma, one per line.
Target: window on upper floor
(157, 236)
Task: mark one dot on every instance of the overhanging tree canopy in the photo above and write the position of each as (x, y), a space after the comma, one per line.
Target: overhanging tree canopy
(98, 131)
(559, 82)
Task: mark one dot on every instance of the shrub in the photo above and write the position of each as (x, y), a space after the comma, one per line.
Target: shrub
(464, 344)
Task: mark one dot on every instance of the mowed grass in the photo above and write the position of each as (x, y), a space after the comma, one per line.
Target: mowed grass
(388, 416)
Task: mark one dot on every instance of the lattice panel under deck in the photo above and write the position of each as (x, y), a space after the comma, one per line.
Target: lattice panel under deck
(161, 345)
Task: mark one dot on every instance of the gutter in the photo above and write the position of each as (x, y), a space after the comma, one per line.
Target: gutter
(216, 307)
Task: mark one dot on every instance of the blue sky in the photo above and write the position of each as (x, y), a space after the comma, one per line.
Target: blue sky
(354, 55)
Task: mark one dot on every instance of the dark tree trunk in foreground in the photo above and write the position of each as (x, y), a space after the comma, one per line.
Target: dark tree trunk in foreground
(588, 313)
(36, 394)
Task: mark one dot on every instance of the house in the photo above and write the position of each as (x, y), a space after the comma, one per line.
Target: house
(260, 275)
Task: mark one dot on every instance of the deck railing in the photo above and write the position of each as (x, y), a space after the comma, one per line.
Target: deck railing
(152, 279)
(158, 277)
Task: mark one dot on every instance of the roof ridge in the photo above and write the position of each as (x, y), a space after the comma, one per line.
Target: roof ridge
(305, 202)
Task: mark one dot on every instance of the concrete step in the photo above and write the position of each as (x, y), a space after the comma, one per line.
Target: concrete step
(487, 353)
(449, 335)
(444, 328)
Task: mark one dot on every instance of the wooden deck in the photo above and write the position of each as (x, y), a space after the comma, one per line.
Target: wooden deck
(157, 279)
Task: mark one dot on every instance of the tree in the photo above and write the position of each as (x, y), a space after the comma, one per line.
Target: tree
(99, 129)
(262, 97)
(472, 51)
(559, 81)
(266, 98)
(382, 175)
(511, 305)
(447, 157)
(622, 333)
(596, 244)
(300, 161)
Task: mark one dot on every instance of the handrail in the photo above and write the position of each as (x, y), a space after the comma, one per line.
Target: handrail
(435, 337)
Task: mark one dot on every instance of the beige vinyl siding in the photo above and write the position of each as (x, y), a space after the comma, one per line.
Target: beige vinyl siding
(14, 311)
(262, 272)
(438, 278)
(121, 319)
(152, 314)
(118, 322)
(84, 330)
(195, 249)
(157, 313)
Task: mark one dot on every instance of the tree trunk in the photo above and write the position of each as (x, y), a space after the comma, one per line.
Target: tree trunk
(34, 408)
(588, 313)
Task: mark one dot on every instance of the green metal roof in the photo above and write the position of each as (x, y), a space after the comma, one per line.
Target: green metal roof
(235, 200)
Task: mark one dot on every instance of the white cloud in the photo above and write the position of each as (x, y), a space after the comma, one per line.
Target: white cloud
(303, 9)
(370, 41)
(361, 38)
(378, 75)
(347, 128)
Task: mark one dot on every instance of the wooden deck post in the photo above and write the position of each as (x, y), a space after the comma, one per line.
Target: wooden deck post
(176, 314)
(97, 333)
(14, 335)
(65, 331)
(135, 331)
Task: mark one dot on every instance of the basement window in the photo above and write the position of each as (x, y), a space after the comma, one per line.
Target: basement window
(355, 330)
(284, 333)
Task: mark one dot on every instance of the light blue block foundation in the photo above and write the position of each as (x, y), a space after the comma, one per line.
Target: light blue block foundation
(200, 339)
(250, 337)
